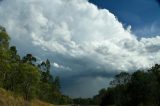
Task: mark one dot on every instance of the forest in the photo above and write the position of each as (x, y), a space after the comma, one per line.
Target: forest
(140, 88)
(26, 77)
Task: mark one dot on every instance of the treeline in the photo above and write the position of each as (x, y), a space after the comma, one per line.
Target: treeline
(26, 77)
(141, 88)
(84, 101)
(95, 100)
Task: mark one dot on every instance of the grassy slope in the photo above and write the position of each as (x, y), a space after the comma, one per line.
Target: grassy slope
(7, 99)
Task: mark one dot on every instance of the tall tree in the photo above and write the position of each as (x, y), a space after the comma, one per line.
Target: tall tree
(14, 56)
(29, 78)
(4, 55)
(29, 58)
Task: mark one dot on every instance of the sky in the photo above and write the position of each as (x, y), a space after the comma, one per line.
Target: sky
(142, 15)
(87, 42)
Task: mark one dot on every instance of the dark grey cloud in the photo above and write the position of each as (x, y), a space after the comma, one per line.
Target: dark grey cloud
(84, 86)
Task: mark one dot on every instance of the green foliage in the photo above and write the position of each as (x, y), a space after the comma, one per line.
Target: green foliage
(83, 101)
(29, 59)
(141, 88)
(4, 40)
(25, 78)
(14, 56)
(107, 97)
(29, 78)
(49, 87)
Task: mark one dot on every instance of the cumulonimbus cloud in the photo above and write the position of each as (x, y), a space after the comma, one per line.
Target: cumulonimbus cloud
(80, 38)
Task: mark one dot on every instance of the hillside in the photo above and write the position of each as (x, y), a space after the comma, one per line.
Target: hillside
(8, 99)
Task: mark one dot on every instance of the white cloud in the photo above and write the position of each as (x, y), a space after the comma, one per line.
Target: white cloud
(77, 35)
(56, 65)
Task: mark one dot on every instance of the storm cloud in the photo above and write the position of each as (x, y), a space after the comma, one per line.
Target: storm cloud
(86, 45)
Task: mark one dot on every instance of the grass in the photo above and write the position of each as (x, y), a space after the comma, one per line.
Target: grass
(8, 99)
